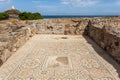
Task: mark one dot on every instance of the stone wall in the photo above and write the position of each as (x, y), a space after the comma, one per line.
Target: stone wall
(61, 26)
(13, 36)
(106, 35)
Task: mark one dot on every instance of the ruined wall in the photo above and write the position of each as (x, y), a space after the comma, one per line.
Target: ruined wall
(107, 35)
(61, 26)
(13, 36)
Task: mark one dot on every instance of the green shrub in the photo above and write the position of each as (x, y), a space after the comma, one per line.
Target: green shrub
(3, 16)
(30, 16)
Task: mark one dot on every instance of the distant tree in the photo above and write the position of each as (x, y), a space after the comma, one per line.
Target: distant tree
(37, 16)
(23, 16)
(30, 16)
(3, 16)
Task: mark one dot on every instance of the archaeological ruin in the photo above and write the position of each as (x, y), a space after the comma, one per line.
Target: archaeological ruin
(100, 35)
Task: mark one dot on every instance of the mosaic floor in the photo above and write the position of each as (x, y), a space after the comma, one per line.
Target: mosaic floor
(60, 57)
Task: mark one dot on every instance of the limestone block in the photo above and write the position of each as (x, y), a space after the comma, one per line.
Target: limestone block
(5, 55)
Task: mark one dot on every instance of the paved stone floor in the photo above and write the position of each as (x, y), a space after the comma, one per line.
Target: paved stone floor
(60, 57)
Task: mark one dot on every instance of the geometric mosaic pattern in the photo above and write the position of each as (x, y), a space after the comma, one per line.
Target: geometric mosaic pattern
(50, 57)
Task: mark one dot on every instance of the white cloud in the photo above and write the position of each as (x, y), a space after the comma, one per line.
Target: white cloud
(39, 1)
(117, 2)
(4, 1)
(80, 3)
(36, 1)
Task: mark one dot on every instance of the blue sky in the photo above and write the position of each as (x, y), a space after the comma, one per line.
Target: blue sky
(65, 7)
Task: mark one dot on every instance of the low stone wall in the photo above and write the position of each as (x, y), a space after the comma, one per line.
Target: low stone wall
(12, 37)
(107, 36)
(61, 26)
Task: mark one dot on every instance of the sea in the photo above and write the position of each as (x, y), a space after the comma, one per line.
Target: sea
(77, 16)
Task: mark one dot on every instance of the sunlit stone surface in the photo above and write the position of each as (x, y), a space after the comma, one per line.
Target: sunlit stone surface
(50, 57)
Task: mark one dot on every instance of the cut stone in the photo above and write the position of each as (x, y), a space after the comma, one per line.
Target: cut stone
(63, 60)
(57, 61)
(64, 37)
